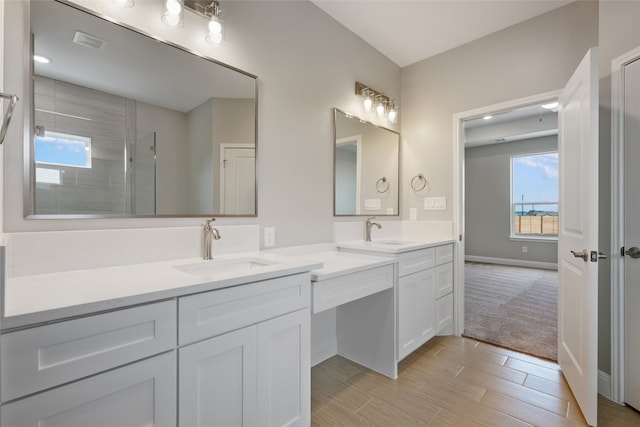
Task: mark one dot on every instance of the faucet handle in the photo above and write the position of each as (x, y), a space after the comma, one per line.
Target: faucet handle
(370, 218)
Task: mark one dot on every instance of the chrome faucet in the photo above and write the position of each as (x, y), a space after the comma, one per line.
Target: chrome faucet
(209, 234)
(367, 228)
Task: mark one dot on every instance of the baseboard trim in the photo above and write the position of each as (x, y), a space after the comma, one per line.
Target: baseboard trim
(514, 262)
(322, 352)
(604, 384)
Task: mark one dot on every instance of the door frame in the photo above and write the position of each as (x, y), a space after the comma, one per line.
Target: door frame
(617, 223)
(458, 187)
(357, 139)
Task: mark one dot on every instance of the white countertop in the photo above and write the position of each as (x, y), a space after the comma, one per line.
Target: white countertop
(394, 246)
(334, 262)
(46, 297)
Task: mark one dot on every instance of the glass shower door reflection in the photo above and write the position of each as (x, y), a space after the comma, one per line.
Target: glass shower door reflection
(143, 176)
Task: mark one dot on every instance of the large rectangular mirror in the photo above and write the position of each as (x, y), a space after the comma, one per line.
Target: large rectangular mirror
(126, 125)
(366, 167)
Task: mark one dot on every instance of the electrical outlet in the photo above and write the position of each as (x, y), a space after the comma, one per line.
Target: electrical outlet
(413, 214)
(269, 237)
(525, 250)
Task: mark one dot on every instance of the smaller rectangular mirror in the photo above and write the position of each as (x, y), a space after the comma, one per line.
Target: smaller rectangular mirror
(366, 167)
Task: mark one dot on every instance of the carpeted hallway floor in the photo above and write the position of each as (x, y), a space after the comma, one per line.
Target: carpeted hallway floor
(513, 307)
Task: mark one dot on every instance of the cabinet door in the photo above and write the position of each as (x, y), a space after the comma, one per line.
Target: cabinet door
(416, 311)
(217, 385)
(140, 394)
(444, 280)
(284, 370)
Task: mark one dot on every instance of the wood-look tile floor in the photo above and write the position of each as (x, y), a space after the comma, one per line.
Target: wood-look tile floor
(453, 381)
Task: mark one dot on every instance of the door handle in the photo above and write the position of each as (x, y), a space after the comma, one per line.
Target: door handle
(584, 254)
(633, 252)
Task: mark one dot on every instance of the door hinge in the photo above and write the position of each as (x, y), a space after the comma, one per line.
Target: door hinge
(460, 237)
(622, 251)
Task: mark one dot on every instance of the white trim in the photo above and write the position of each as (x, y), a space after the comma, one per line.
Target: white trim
(513, 262)
(617, 223)
(604, 384)
(324, 351)
(458, 187)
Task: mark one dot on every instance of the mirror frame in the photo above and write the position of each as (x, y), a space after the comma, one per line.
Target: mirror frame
(335, 112)
(29, 183)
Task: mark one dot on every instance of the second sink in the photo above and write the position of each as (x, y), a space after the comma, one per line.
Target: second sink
(207, 268)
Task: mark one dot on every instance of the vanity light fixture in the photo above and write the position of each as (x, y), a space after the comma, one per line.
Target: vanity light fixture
(373, 99)
(173, 13)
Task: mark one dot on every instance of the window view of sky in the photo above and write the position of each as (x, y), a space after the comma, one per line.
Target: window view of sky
(61, 149)
(535, 179)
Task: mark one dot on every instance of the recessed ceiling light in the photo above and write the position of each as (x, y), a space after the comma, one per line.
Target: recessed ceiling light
(41, 59)
(488, 117)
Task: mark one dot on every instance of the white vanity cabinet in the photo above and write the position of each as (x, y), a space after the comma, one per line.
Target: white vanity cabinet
(251, 366)
(48, 372)
(234, 356)
(425, 296)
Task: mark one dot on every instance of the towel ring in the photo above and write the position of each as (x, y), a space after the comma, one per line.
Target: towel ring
(419, 182)
(7, 117)
(382, 185)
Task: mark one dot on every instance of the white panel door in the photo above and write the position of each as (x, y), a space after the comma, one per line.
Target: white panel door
(578, 235)
(284, 370)
(217, 385)
(238, 191)
(631, 75)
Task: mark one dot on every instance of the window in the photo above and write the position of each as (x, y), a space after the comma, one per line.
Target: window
(534, 196)
(62, 149)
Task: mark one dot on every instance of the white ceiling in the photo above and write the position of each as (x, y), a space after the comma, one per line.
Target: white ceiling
(408, 31)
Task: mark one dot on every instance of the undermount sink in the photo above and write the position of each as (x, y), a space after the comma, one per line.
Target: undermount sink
(391, 242)
(207, 268)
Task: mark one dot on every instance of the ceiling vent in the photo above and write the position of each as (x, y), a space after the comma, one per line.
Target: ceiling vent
(87, 40)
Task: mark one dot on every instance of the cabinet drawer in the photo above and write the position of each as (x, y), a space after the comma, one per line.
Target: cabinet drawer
(334, 292)
(213, 313)
(412, 262)
(136, 395)
(444, 280)
(444, 312)
(444, 254)
(45, 356)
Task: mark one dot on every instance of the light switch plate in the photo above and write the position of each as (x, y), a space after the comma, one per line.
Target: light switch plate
(435, 203)
(269, 237)
(371, 204)
(413, 214)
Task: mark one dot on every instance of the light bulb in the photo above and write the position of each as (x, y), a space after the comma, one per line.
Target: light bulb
(173, 13)
(380, 109)
(214, 26)
(172, 20)
(173, 7)
(124, 3)
(368, 103)
(393, 115)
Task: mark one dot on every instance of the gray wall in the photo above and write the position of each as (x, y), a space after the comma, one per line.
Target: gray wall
(536, 56)
(488, 200)
(306, 64)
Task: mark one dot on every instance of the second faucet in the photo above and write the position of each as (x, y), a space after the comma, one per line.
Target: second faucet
(367, 228)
